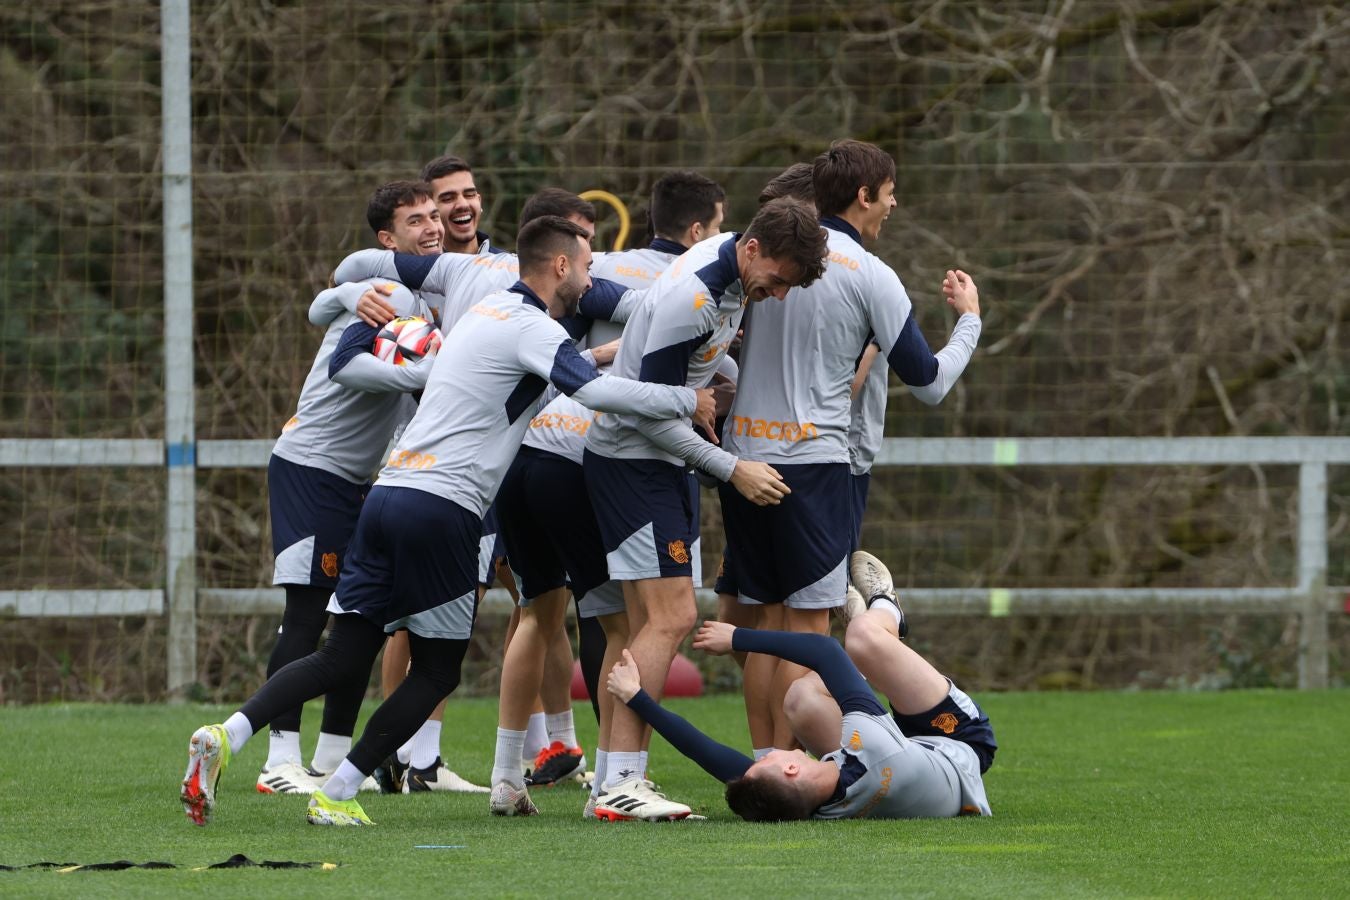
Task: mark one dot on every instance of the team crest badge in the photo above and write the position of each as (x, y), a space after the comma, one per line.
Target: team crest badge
(946, 723)
(678, 552)
(855, 742)
(328, 562)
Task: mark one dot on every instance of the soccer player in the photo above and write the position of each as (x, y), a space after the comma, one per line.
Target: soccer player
(635, 468)
(925, 759)
(792, 404)
(317, 476)
(546, 478)
(413, 560)
(459, 203)
(457, 280)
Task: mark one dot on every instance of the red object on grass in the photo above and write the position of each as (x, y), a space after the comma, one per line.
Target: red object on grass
(684, 680)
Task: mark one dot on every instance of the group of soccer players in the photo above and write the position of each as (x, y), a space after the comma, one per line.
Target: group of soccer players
(588, 395)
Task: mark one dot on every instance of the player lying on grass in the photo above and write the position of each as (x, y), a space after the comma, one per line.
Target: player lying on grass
(923, 760)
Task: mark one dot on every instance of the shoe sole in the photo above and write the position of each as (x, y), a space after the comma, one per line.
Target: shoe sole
(198, 794)
(339, 820)
(515, 811)
(290, 789)
(610, 815)
(556, 781)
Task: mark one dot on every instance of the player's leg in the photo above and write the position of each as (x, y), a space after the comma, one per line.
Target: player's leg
(430, 547)
(800, 621)
(522, 675)
(563, 757)
(814, 715)
(758, 681)
(669, 613)
(313, 514)
(923, 700)
(353, 642)
(592, 645)
(615, 625)
(729, 607)
(909, 681)
(302, 625)
(645, 516)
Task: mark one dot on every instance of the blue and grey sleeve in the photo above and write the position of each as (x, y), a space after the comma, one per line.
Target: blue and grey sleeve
(679, 439)
(819, 653)
(718, 760)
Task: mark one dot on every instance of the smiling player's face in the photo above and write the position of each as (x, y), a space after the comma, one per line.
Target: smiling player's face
(878, 211)
(460, 206)
(415, 229)
(764, 277)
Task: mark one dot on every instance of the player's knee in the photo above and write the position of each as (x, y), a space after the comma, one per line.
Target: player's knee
(865, 639)
(675, 621)
(798, 699)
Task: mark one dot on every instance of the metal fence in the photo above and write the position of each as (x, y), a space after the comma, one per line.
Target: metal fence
(1154, 197)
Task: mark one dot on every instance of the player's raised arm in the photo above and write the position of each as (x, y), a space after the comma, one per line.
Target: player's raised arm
(818, 652)
(928, 375)
(718, 760)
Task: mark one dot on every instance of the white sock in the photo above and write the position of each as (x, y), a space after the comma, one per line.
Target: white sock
(601, 765)
(536, 738)
(761, 752)
(561, 728)
(282, 747)
(404, 753)
(622, 766)
(888, 607)
(238, 729)
(345, 782)
(426, 745)
(506, 761)
(642, 763)
(330, 751)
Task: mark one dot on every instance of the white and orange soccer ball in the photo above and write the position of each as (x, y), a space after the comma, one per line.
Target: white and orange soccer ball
(406, 340)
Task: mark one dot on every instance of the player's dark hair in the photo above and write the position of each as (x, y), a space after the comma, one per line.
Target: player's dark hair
(543, 239)
(787, 229)
(767, 800)
(556, 202)
(846, 166)
(794, 181)
(442, 166)
(679, 199)
(389, 197)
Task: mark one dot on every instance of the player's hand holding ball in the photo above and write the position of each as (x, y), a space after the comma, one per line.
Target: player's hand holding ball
(624, 679)
(714, 637)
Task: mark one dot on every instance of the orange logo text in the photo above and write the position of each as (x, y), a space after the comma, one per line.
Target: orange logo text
(635, 272)
(791, 432)
(855, 742)
(295, 420)
(410, 459)
(328, 562)
(488, 311)
(677, 552)
(880, 794)
(847, 262)
(563, 422)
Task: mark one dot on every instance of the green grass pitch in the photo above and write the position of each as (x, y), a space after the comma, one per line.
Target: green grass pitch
(1094, 795)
